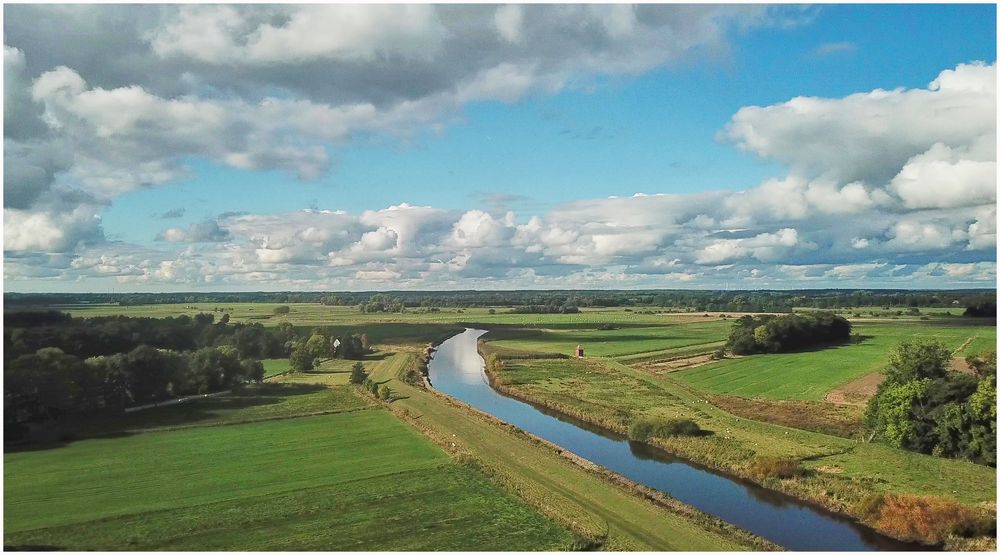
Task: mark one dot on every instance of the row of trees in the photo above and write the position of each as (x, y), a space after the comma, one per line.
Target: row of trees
(721, 301)
(50, 383)
(553, 308)
(382, 303)
(922, 406)
(26, 333)
(788, 332)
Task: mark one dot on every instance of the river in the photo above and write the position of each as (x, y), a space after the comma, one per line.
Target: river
(458, 370)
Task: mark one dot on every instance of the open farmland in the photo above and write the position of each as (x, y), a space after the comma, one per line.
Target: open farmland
(592, 390)
(810, 375)
(620, 341)
(358, 480)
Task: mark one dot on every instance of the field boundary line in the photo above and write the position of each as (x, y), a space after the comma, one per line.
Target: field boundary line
(136, 431)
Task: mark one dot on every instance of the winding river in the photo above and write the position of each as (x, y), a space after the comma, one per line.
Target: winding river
(458, 370)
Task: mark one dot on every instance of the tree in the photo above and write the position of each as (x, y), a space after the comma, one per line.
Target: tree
(384, 393)
(300, 360)
(318, 346)
(253, 369)
(912, 360)
(892, 415)
(358, 373)
(281, 310)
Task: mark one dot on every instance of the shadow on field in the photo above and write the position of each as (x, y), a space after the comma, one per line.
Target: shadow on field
(57, 434)
(33, 547)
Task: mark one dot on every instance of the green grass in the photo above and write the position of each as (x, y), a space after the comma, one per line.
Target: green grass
(359, 480)
(274, 366)
(575, 497)
(312, 314)
(592, 390)
(623, 341)
(297, 395)
(811, 375)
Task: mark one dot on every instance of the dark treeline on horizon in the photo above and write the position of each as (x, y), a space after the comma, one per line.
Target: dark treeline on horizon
(701, 300)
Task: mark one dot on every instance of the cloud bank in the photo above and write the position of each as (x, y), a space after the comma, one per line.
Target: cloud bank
(882, 187)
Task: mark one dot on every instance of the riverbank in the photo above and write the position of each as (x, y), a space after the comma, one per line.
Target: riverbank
(607, 513)
(827, 473)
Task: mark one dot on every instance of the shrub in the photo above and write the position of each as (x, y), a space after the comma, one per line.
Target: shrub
(923, 517)
(763, 468)
(644, 428)
(280, 310)
(358, 373)
(384, 393)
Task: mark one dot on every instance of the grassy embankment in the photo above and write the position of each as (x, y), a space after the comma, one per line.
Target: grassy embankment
(256, 472)
(589, 501)
(836, 472)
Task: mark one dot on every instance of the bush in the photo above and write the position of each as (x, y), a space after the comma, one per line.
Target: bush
(644, 429)
(923, 517)
(280, 310)
(763, 468)
(358, 374)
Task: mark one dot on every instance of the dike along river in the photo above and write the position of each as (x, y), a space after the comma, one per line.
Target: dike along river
(458, 370)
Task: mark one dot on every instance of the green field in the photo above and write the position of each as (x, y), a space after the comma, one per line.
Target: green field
(624, 340)
(358, 480)
(811, 375)
(312, 314)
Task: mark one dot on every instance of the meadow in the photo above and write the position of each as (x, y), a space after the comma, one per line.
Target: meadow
(810, 375)
(580, 508)
(304, 463)
(839, 473)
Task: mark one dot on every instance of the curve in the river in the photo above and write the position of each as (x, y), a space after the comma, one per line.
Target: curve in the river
(457, 369)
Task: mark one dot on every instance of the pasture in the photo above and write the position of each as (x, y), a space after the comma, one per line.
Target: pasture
(810, 375)
(623, 340)
(357, 480)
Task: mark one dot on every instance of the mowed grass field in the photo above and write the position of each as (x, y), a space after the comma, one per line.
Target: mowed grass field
(811, 375)
(623, 340)
(251, 472)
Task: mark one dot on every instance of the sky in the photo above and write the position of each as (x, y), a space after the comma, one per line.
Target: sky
(377, 147)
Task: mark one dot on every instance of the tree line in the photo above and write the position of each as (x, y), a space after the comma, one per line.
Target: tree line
(57, 366)
(27, 332)
(698, 300)
(788, 332)
(923, 406)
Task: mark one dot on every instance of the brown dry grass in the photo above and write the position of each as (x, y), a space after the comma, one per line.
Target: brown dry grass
(763, 468)
(923, 517)
(815, 416)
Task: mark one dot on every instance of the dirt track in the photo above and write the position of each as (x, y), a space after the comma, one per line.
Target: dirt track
(677, 364)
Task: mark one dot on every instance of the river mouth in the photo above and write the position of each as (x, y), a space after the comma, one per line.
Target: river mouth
(458, 370)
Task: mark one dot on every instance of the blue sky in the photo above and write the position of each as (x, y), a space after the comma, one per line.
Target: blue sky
(539, 152)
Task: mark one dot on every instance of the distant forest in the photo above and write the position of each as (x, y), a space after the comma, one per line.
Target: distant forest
(733, 301)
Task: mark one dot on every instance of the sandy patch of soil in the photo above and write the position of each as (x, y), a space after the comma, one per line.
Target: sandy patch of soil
(856, 392)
